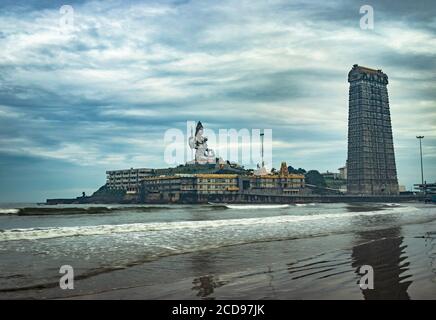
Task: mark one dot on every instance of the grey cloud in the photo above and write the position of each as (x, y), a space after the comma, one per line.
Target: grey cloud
(132, 70)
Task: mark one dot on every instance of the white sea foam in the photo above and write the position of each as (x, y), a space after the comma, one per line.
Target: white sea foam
(256, 206)
(392, 205)
(47, 233)
(9, 211)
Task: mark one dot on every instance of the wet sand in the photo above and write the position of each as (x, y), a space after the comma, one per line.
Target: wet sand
(403, 261)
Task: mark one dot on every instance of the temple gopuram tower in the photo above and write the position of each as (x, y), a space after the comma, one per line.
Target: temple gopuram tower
(371, 159)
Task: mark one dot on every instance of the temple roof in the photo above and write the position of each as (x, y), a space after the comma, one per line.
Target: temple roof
(360, 72)
(367, 70)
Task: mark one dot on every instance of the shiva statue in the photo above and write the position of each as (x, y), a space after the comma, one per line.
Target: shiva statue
(198, 142)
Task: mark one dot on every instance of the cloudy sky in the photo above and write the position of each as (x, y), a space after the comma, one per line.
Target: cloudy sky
(78, 101)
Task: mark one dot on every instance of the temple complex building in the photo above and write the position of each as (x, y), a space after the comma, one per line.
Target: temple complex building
(371, 168)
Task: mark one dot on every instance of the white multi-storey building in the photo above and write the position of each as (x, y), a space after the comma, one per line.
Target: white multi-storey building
(127, 179)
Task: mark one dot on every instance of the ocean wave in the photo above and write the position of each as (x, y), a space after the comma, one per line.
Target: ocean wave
(256, 206)
(305, 204)
(392, 205)
(41, 211)
(9, 211)
(56, 232)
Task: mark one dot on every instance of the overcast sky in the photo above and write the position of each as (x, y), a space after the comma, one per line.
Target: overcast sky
(75, 104)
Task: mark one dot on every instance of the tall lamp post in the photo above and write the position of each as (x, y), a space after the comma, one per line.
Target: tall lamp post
(422, 168)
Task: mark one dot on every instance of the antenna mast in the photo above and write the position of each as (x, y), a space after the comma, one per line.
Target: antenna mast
(261, 152)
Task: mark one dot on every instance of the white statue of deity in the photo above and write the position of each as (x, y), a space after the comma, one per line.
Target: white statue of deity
(198, 142)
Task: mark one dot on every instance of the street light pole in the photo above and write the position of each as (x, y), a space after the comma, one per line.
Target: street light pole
(422, 168)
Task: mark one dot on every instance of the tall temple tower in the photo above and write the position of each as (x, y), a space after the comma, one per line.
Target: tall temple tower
(371, 159)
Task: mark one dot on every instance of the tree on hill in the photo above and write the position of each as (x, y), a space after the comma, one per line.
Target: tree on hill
(296, 171)
(315, 178)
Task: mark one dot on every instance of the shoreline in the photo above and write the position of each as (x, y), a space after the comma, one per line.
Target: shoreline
(255, 199)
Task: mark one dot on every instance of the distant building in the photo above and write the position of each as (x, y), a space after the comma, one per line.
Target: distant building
(331, 175)
(197, 187)
(290, 184)
(335, 181)
(283, 182)
(127, 179)
(343, 172)
(429, 188)
(172, 188)
(371, 160)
